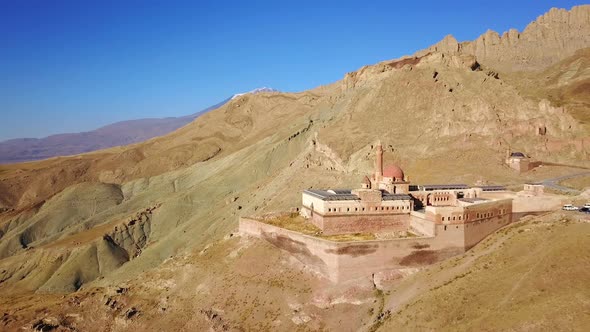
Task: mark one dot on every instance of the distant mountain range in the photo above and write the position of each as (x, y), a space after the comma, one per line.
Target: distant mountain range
(116, 134)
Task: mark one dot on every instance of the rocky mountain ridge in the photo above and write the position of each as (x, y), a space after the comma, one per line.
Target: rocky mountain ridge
(554, 35)
(255, 91)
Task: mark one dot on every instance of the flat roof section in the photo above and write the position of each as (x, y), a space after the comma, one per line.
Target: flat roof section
(345, 195)
(491, 188)
(332, 195)
(340, 191)
(473, 200)
(396, 197)
(430, 187)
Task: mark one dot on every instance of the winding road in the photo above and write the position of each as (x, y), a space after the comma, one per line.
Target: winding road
(554, 182)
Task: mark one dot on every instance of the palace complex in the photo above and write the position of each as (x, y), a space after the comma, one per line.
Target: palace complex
(387, 202)
(394, 224)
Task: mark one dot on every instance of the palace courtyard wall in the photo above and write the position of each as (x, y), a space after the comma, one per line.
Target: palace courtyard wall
(362, 223)
(340, 261)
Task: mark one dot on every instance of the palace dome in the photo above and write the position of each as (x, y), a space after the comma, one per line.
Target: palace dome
(392, 171)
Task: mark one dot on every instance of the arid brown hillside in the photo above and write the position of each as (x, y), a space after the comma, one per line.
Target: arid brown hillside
(143, 234)
(241, 122)
(565, 84)
(116, 134)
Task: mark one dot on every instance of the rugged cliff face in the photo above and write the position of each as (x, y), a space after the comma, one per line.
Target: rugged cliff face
(552, 37)
(77, 252)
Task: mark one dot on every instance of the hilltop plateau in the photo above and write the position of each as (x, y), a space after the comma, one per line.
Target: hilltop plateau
(143, 236)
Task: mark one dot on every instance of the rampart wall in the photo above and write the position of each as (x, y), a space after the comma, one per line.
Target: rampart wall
(419, 224)
(362, 223)
(341, 261)
(477, 230)
(522, 203)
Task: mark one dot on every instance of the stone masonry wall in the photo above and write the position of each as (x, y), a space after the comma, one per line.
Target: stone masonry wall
(341, 261)
(478, 230)
(362, 223)
(421, 225)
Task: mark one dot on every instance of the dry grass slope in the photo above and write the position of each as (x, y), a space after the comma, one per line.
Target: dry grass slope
(534, 280)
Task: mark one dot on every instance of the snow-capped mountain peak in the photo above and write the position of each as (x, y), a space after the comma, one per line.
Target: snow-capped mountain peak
(255, 91)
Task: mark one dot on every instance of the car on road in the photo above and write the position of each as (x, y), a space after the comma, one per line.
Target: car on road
(569, 207)
(587, 206)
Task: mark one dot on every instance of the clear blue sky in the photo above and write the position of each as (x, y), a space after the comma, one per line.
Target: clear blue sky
(69, 66)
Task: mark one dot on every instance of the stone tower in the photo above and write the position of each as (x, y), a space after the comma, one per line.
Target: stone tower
(379, 162)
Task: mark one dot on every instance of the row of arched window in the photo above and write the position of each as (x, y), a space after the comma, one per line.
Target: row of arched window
(478, 215)
(453, 218)
(484, 215)
(441, 199)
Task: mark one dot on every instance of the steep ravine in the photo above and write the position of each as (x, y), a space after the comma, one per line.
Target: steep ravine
(73, 261)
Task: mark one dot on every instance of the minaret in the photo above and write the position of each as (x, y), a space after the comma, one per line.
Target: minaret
(379, 162)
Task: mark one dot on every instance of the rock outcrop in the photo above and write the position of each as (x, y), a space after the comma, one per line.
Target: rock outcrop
(552, 37)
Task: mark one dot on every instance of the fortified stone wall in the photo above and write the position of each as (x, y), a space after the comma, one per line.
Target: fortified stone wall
(477, 230)
(451, 235)
(469, 213)
(354, 206)
(361, 223)
(526, 203)
(341, 261)
(419, 224)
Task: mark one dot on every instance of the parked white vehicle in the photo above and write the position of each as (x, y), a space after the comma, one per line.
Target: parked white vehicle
(587, 206)
(569, 207)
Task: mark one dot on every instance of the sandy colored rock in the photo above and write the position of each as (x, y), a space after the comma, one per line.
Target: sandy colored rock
(551, 37)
